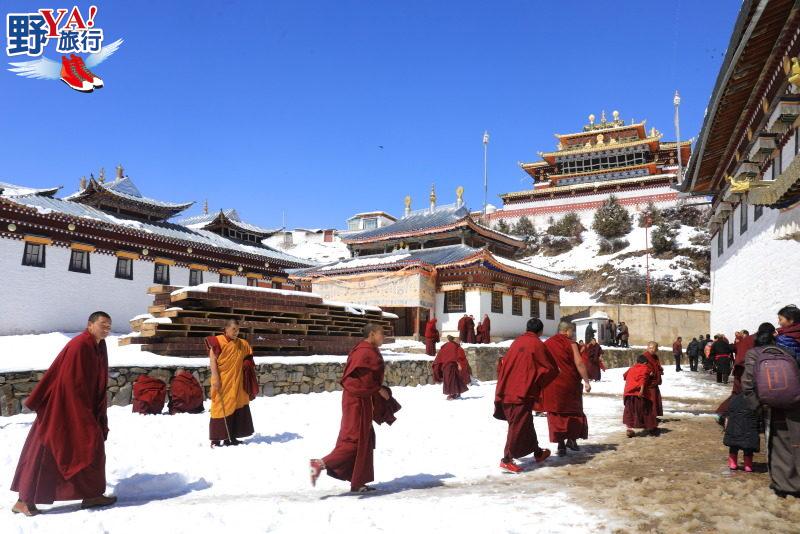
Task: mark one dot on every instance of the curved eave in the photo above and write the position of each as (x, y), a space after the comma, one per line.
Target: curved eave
(638, 126)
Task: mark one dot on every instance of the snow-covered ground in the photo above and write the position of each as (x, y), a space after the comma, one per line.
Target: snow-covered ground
(436, 470)
(37, 351)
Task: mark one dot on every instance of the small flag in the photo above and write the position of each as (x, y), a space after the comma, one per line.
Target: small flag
(486, 137)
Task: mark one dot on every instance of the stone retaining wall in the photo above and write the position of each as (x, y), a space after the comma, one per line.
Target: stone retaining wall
(273, 378)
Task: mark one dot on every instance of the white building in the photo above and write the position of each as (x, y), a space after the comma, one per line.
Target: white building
(746, 160)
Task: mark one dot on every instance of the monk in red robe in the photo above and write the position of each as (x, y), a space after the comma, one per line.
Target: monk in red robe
(593, 353)
(431, 337)
(526, 368)
(451, 369)
(230, 401)
(639, 410)
(483, 330)
(64, 457)
(562, 398)
(469, 325)
(462, 328)
(652, 391)
(351, 458)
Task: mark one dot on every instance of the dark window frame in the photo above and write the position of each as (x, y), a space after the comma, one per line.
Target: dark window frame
(516, 305)
(550, 311)
(124, 273)
(79, 261)
(536, 308)
(743, 216)
(252, 282)
(720, 244)
(730, 231)
(161, 274)
(31, 258)
(455, 301)
(758, 211)
(195, 277)
(497, 302)
(225, 279)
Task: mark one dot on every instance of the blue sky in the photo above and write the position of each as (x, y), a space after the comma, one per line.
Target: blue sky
(283, 106)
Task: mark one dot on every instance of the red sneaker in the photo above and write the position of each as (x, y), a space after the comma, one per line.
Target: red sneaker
(85, 73)
(542, 455)
(748, 463)
(70, 76)
(510, 466)
(316, 468)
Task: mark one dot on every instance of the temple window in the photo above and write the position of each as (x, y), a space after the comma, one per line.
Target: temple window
(225, 279)
(370, 223)
(124, 269)
(161, 274)
(79, 261)
(516, 305)
(535, 308)
(720, 247)
(455, 301)
(757, 212)
(743, 217)
(195, 277)
(33, 256)
(730, 231)
(497, 302)
(252, 282)
(551, 310)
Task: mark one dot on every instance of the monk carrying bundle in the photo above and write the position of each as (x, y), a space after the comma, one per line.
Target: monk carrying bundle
(231, 372)
(526, 368)
(64, 457)
(451, 369)
(363, 397)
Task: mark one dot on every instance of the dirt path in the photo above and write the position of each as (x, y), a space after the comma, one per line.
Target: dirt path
(679, 482)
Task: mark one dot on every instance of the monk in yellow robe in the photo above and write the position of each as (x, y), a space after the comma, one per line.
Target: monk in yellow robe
(230, 410)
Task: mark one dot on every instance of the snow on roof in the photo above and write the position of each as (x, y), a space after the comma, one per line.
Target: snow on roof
(531, 269)
(12, 190)
(373, 213)
(201, 221)
(203, 288)
(45, 205)
(366, 261)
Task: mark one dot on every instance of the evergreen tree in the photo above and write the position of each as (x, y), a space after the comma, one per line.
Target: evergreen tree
(502, 226)
(611, 219)
(650, 211)
(663, 238)
(567, 226)
(523, 227)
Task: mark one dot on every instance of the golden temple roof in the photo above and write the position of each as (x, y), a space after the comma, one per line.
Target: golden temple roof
(544, 191)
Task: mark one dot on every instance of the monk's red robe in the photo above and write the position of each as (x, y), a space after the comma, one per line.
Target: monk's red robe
(431, 337)
(149, 395)
(351, 458)
(526, 368)
(592, 361)
(469, 326)
(64, 457)
(445, 369)
(462, 329)
(639, 410)
(562, 398)
(185, 394)
(652, 391)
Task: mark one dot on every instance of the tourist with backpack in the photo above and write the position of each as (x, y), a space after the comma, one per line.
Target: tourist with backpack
(772, 379)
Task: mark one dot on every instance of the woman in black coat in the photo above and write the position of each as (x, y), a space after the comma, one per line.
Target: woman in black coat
(742, 429)
(722, 355)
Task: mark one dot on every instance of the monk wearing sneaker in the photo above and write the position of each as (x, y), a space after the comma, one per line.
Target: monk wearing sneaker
(64, 457)
(352, 457)
(526, 368)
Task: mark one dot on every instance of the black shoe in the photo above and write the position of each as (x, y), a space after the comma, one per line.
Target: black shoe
(655, 432)
(561, 451)
(573, 445)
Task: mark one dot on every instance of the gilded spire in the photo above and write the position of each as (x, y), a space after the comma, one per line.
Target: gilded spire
(120, 171)
(205, 207)
(459, 196)
(102, 174)
(433, 197)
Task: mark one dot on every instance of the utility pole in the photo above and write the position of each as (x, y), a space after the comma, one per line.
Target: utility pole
(647, 224)
(485, 172)
(676, 100)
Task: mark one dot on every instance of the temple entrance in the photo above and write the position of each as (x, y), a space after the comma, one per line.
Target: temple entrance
(410, 322)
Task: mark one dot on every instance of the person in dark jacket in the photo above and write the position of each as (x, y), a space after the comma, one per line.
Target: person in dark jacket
(788, 334)
(721, 355)
(742, 427)
(693, 353)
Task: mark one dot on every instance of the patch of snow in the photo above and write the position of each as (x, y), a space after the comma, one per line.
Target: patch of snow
(320, 252)
(365, 262)
(143, 316)
(203, 288)
(351, 305)
(576, 298)
(159, 320)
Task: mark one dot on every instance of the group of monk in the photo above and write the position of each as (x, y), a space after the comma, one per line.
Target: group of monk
(467, 332)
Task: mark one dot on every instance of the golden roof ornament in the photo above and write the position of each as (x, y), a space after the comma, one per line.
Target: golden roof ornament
(459, 193)
(591, 118)
(102, 174)
(408, 202)
(120, 172)
(744, 185)
(433, 193)
(794, 73)
(615, 114)
(205, 207)
(600, 139)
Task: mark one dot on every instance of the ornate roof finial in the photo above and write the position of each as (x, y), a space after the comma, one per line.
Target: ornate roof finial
(101, 178)
(603, 117)
(407, 201)
(82, 183)
(591, 118)
(615, 114)
(459, 196)
(120, 172)
(433, 197)
(205, 207)
(102, 174)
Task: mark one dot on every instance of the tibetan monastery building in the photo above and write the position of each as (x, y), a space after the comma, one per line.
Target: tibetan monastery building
(746, 160)
(102, 247)
(440, 261)
(607, 157)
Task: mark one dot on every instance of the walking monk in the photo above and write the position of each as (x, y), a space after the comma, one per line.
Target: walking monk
(526, 368)
(431, 337)
(64, 457)
(652, 391)
(351, 458)
(230, 402)
(562, 398)
(639, 410)
(484, 330)
(452, 369)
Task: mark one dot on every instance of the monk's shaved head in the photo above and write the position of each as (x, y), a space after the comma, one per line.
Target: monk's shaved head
(98, 315)
(373, 333)
(564, 327)
(232, 322)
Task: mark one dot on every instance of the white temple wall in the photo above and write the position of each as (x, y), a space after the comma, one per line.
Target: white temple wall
(754, 277)
(53, 298)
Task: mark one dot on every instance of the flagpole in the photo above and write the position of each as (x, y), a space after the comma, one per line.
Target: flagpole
(485, 172)
(677, 102)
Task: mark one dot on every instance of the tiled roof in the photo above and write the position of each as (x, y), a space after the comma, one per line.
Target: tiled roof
(126, 189)
(202, 220)
(46, 205)
(11, 190)
(415, 222)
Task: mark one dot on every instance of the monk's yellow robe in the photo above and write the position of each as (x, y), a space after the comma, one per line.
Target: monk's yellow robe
(230, 410)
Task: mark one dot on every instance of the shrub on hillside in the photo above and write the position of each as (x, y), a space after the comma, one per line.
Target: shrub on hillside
(683, 213)
(650, 211)
(524, 228)
(612, 219)
(610, 246)
(502, 226)
(663, 238)
(567, 226)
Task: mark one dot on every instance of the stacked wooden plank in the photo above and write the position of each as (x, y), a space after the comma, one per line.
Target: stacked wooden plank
(274, 322)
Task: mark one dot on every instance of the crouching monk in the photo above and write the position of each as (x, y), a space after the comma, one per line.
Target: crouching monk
(229, 356)
(362, 384)
(64, 457)
(451, 369)
(526, 368)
